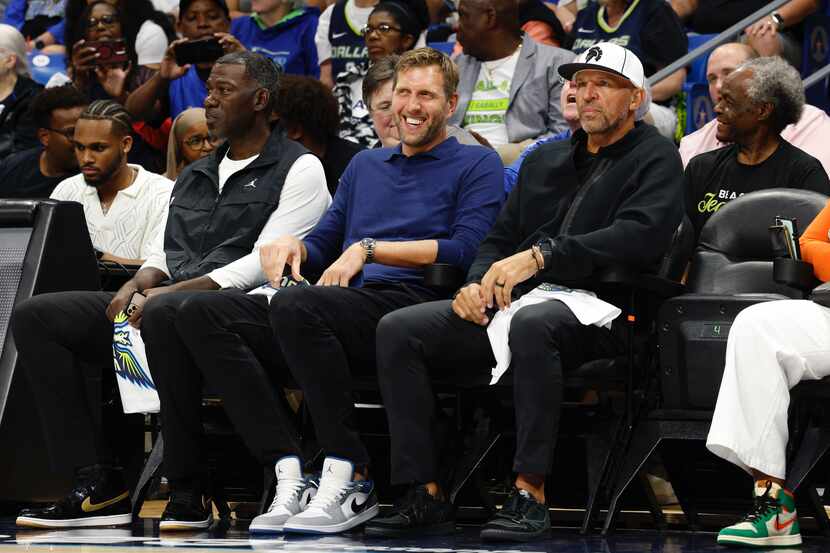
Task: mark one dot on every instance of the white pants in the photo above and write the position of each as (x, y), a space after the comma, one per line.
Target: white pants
(772, 347)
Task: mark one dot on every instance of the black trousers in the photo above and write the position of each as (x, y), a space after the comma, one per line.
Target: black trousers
(545, 339)
(221, 340)
(326, 335)
(64, 343)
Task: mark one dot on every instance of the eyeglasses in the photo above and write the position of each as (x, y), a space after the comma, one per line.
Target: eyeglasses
(199, 140)
(69, 133)
(105, 20)
(383, 29)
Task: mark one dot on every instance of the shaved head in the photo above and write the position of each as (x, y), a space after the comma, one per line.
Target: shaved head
(723, 61)
(488, 28)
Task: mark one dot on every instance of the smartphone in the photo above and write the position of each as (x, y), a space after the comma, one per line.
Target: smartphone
(206, 50)
(792, 231)
(110, 52)
(136, 301)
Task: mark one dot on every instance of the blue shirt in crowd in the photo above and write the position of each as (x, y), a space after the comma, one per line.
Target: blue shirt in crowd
(451, 194)
(188, 91)
(511, 172)
(290, 43)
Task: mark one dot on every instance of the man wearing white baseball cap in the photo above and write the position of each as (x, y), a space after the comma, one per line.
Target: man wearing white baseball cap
(611, 196)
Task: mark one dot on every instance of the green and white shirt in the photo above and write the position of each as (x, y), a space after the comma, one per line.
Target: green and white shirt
(491, 98)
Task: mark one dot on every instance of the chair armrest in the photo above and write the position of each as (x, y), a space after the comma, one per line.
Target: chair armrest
(443, 276)
(795, 273)
(621, 278)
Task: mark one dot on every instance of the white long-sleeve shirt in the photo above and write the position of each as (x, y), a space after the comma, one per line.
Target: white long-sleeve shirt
(303, 200)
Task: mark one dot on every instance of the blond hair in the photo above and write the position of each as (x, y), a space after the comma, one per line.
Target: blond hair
(427, 57)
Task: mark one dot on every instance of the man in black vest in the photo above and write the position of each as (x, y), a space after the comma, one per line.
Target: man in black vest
(257, 183)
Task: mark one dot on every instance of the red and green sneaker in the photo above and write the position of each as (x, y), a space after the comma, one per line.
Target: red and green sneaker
(772, 521)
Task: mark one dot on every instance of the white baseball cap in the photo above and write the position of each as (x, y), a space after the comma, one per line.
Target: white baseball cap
(610, 57)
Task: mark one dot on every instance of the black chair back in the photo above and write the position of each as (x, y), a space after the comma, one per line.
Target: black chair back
(734, 254)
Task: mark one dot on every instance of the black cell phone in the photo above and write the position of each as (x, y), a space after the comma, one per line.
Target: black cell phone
(206, 50)
(110, 52)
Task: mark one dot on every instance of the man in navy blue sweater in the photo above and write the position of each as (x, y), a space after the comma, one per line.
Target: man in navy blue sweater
(396, 210)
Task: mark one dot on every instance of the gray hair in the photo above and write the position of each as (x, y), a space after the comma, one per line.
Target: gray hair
(12, 42)
(776, 82)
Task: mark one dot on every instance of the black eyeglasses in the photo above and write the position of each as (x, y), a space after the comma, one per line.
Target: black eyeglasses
(199, 140)
(105, 20)
(69, 133)
(383, 29)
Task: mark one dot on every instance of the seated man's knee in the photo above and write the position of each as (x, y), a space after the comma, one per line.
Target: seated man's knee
(540, 327)
(293, 306)
(160, 311)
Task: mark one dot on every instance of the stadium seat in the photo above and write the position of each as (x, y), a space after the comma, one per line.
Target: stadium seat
(731, 269)
(44, 66)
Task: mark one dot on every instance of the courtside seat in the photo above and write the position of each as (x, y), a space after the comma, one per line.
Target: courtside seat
(731, 269)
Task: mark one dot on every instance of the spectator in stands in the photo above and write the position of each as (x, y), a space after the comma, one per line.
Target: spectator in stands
(339, 37)
(35, 172)
(651, 30)
(17, 129)
(393, 27)
(145, 29)
(757, 101)
(567, 103)
(538, 19)
(176, 88)
(189, 141)
(205, 244)
(124, 204)
(33, 17)
(308, 111)
(509, 88)
(99, 80)
(809, 133)
(627, 217)
(282, 30)
(396, 210)
(778, 34)
(772, 347)
(377, 95)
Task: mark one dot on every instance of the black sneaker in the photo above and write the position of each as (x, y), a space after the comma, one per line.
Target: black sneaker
(187, 510)
(100, 498)
(417, 513)
(521, 518)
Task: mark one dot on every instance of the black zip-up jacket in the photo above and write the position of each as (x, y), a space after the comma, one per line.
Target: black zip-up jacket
(625, 213)
(18, 131)
(207, 230)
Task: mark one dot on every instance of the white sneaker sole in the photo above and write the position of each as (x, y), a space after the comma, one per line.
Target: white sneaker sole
(174, 525)
(85, 522)
(299, 528)
(769, 541)
(265, 528)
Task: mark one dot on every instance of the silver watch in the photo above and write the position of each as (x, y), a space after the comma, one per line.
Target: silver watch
(368, 245)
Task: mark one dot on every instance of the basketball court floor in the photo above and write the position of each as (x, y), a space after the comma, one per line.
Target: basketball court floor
(224, 539)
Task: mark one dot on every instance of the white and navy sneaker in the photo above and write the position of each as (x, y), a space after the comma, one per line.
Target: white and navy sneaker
(340, 503)
(292, 495)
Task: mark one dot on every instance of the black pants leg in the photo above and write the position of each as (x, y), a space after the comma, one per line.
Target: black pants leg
(326, 334)
(229, 336)
(413, 344)
(63, 339)
(179, 385)
(545, 340)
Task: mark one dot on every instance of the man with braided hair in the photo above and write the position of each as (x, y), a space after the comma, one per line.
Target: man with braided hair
(124, 204)
(256, 185)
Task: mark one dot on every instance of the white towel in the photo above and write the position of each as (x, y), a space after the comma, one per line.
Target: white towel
(585, 305)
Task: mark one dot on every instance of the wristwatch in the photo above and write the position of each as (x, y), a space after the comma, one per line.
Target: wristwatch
(368, 245)
(546, 246)
(778, 20)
